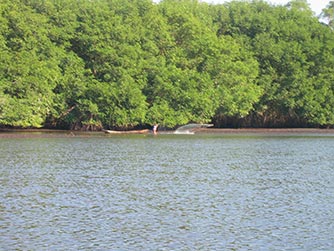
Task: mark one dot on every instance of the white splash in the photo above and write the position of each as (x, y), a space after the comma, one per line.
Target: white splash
(190, 128)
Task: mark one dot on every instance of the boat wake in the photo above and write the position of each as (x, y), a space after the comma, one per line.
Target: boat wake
(190, 128)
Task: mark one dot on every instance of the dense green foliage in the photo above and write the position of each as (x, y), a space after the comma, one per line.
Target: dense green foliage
(88, 64)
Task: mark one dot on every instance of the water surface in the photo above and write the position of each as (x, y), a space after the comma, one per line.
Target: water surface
(168, 192)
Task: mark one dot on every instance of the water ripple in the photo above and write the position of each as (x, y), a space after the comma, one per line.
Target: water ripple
(170, 192)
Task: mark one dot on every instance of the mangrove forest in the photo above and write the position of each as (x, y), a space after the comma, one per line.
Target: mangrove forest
(123, 64)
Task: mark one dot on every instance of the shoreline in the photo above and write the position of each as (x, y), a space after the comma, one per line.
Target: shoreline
(265, 130)
(54, 133)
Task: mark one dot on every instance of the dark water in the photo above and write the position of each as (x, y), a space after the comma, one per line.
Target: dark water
(170, 192)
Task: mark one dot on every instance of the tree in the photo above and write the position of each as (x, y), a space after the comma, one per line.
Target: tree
(123, 64)
(300, 5)
(285, 43)
(30, 71)
(328, 13)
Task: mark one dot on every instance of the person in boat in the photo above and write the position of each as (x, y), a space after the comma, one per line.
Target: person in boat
(155, 128)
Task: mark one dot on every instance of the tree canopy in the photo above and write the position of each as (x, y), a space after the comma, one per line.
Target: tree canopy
(83, 64)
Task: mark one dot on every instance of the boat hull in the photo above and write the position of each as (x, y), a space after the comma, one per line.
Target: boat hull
(145, 131)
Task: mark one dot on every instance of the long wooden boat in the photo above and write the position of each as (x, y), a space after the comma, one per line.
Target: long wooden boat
(144, 131)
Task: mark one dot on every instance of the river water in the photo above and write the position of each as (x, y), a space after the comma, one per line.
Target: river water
(167, 192)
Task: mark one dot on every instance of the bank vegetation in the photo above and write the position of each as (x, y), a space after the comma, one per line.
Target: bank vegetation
(92, 64)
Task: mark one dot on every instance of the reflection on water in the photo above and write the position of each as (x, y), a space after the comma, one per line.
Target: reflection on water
(171, 192)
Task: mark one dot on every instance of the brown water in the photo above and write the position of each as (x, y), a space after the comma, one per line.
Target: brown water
(170, 192)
